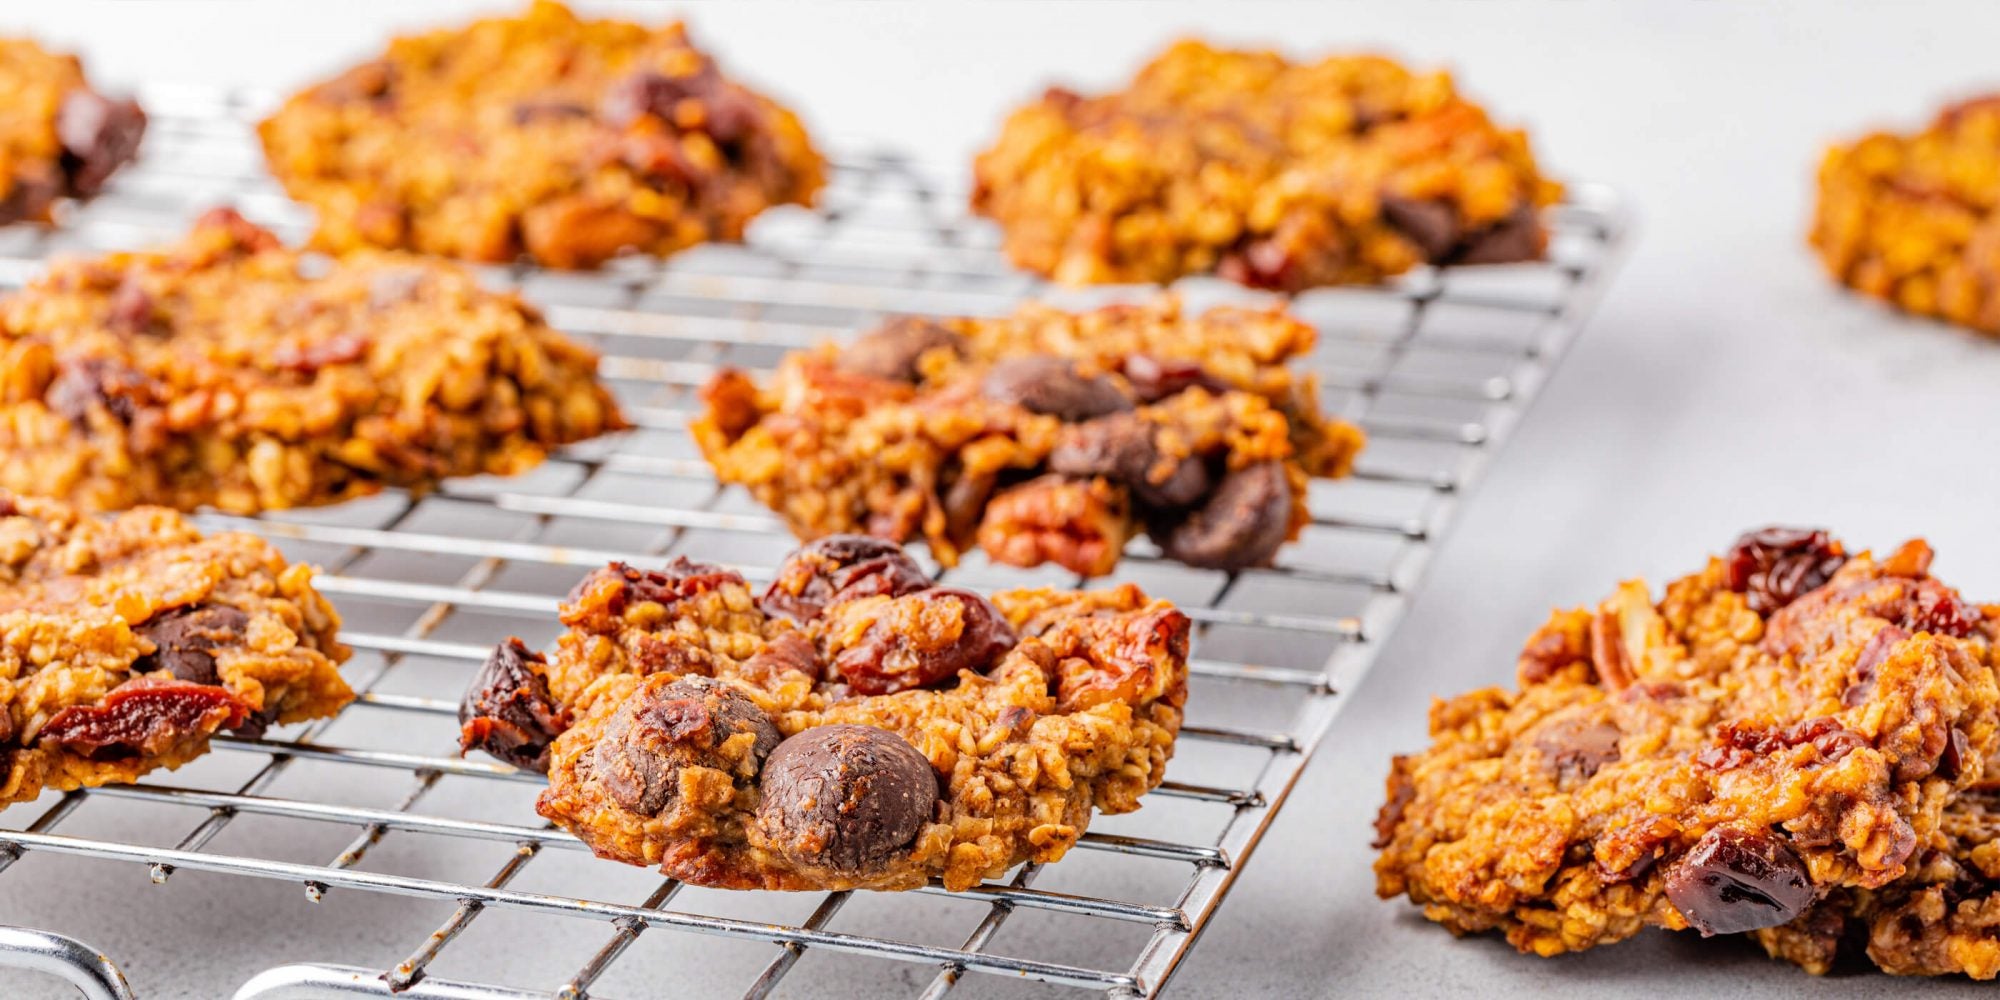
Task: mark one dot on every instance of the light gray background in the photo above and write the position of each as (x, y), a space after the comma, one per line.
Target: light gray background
(1723, 384)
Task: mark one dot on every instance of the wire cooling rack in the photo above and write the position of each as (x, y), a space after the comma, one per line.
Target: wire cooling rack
(433, 876)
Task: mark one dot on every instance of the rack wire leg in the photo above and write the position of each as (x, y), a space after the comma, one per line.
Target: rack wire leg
(66, 958)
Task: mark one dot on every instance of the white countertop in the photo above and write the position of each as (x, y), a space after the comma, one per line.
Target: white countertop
(1722, 385)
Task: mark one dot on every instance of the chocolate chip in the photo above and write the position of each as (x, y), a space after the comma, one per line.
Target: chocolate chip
(664, 728)
(1516, 237)
(98, 136)
(839, 568)
(1124, 447)
(1775, 566)
(508, 711)
(1574, 749)
(29, 196)
(1738, 880)
(918, 640)
(891, 351)
(1429, 223)
(1243, 524)
(845, 797)
(185, 640)
(1053, 387)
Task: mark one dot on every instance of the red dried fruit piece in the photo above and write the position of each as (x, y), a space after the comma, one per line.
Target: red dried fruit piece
(1775, 566)
(679, 580)
(1738, 744)
(1934, 607)
(1738, 880)
(1154, 379)
(143, 717)
(508, 712)
(840, 568)
(918, 640)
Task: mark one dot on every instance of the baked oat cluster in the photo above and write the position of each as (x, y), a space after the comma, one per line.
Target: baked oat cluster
(853, 726)
(1045, 436)
(230, 371)
(1911, 218)
(59, 139)
(126, 643)
(1270, 173)
(1794, 742)
(547, 136)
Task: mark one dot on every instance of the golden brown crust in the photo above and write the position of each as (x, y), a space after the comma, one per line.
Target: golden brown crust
(1064, 704)
(232, 372)
(1832, 731)
(1275, 174)
(59, 139)
(102, 679)
(560, 139)
(933, 430)
(1943, 918)
(1910, 218)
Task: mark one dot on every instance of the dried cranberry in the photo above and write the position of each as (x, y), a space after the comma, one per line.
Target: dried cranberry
(1739, 880)
(678, 580)
(1776, 566)
(508, 711)
(143, 717)
(918, 640)
(840, 568)
(1738, 744)
(1934, 607)
(1154, 379)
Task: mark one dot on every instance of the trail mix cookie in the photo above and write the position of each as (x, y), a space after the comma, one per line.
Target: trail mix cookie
(230, 371)
(59, 139)
(852, 726)
(1943, 918)
(563, 140)
(126, 643)
(1045, 436)
(1788, 726)
(1911, 218)
(1270, 173)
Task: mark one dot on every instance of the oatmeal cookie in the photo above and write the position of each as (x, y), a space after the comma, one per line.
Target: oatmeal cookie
(126, 643)
(232, 372)
(1911, 218)
(59, 138)
(1274, 174)
(1941, 919)
(854, 726)
(1045, 436)
(544, 136)
(1789, 723)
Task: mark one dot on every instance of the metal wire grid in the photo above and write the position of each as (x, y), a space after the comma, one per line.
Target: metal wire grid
(1437, 368)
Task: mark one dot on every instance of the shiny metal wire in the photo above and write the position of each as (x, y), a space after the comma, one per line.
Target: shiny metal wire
(1438, 367)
